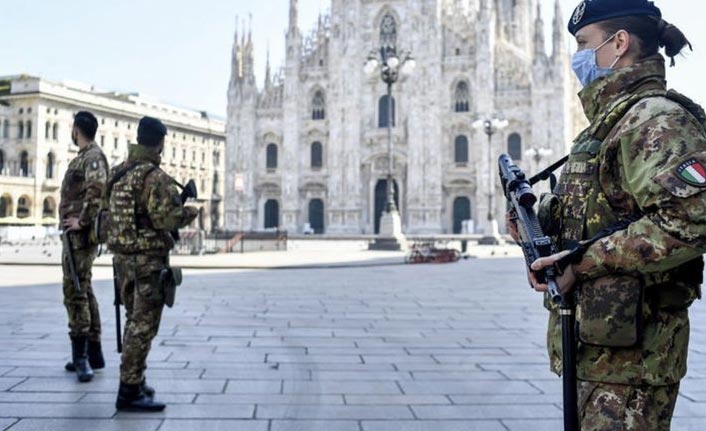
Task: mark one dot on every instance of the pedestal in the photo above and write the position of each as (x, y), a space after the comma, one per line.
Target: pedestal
(492, 237)
(390, 237)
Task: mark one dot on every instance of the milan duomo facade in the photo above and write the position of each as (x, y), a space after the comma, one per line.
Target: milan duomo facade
(310, 146)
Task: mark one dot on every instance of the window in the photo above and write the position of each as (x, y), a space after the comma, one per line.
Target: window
(23, 207)
(173, 153)
(384, 111)
(388, 31)
(215, 183)
(50, 165)
(55, 131)
(271, 162)
(29, 129)
(461, 149)
(318, 106)
(22, 110)
(514, 146)
(2, 161)
(6, 129)
(462, 97)
(24, 164)
(20, 130)
(48, 208)
(102, 141)
(317, 159)
(47, 130)
(115, 143)
(5, 206)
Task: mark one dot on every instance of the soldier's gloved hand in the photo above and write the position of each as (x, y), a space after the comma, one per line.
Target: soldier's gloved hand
(71, 223)
(565, 281)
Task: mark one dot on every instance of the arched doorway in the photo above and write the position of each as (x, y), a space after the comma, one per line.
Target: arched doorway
(271, 214)
(461, 212)
(5, 206)
(381, 200)
(316, 215)
(24, 208)
(24, 164)
(48, 208)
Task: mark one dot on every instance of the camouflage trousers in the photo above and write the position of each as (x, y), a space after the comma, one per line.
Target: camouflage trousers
(612, 407)
(81, 308)
(142, 296)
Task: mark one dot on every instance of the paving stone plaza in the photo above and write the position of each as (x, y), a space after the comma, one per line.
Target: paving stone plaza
(403, 347)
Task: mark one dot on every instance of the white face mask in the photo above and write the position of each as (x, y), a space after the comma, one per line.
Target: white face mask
(585, 65)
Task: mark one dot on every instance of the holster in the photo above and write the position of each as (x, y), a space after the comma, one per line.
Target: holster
(169, 279)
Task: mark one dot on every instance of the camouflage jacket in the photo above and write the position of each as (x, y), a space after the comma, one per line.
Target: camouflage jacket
(144, 206)
(634, 286)
(83, 184)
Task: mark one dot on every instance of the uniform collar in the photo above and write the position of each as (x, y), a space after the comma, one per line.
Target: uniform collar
(92, 144)
(648, 73)
(139, 152)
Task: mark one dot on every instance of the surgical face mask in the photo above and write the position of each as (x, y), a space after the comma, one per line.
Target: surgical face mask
(585, 65)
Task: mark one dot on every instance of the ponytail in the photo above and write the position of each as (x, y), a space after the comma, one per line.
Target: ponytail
(671, 39)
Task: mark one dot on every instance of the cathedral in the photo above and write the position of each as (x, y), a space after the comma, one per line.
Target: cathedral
(307, 152)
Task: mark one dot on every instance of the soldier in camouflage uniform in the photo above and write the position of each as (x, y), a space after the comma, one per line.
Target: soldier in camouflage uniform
(81, 193)
(144, 206)
(642, 161)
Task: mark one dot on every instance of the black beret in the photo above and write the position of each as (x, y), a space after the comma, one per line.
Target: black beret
(87, 123)
(592, 11)
(150, 132)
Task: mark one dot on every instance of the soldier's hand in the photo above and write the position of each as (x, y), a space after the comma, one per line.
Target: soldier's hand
(71, 223)
(565, 281)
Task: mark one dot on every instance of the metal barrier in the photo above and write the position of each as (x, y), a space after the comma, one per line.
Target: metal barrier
(197, 242)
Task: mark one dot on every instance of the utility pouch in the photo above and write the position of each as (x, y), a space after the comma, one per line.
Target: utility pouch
(169, 279)
(549, 214)
(609, 311)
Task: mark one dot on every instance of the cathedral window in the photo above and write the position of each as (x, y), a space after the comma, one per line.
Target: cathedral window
(20, 130)
(23, 207)
(462, 97)
(50, 165)
(2, 161)
(47, 130)
(318, 106)
(29, 129)
(514, 146)
(6, 129)
(55, 131)
(24, 164)
(384, 111)
(461, 149)
(48, 208)
(317, 159)
(388, 31)
(271, 162)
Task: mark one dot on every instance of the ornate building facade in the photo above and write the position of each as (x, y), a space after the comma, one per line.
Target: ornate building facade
(309, 148)
(36, 117)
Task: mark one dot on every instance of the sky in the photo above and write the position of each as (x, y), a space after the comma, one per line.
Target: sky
(179, 51)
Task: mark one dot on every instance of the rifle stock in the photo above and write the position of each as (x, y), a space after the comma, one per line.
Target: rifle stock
(518, 191)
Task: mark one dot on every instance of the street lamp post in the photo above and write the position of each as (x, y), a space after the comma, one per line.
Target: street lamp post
(391, 67)
(490, 126)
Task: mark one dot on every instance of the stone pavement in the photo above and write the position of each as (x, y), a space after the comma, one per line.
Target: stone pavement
(420, 347)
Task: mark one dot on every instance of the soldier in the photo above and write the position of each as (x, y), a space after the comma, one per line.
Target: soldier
(144, 207)
(81, 193)
(632, 192)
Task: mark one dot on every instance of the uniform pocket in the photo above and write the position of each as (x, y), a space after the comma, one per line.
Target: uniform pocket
(609, 311)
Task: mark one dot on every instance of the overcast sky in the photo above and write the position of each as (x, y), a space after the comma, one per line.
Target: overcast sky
(179, 50)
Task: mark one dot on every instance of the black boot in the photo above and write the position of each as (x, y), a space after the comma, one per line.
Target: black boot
(79, 355)
(95, 357)
(147, 389)
(131, 398)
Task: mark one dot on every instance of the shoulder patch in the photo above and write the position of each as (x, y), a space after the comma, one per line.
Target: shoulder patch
(692, 172)
(94, 165)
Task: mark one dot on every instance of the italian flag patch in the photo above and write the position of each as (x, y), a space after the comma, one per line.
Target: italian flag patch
(692, 172)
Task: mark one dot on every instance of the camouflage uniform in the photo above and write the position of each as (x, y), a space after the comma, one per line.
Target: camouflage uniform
(144, 207)
(633, 287)
(81, 193)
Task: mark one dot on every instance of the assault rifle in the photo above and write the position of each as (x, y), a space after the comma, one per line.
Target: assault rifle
(535, 244)
(187, 191)
(69, 250)
(116, 303)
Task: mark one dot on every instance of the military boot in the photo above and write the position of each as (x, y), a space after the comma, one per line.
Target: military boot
(131, 398)
(147, 389)
(95, 357)
(79, 356)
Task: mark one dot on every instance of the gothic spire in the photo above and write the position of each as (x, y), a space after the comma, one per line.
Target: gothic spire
(558, 41)
(268, 74)
(293, 16)
(539, 47)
